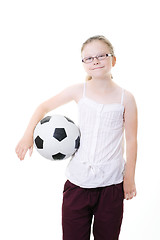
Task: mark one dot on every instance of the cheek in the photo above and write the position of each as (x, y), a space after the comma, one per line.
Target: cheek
(108, 65)
(86, 68)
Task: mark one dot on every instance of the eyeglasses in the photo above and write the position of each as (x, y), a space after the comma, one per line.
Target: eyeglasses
(98, 57)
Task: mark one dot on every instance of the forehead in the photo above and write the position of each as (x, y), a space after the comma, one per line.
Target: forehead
(95, 47)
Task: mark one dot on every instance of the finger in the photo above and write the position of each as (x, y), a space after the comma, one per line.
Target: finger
(133, 194)
(130, 196)
(126, 196)
(23, 154)
(19, 152)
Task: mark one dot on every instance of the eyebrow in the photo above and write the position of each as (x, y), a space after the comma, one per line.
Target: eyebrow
(94, 55)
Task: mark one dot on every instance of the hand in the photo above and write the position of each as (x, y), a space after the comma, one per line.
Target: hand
(129, 188)
(25, 144)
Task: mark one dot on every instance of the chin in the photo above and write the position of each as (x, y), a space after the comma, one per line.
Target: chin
(98, 75)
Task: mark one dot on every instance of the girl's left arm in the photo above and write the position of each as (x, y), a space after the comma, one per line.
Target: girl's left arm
(131, 125)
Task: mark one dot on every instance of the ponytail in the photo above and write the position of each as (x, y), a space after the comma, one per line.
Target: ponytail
(88, 78)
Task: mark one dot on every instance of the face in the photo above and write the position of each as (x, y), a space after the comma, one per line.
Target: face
(98, 68)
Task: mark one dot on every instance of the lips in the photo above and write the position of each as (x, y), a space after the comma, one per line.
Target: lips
(97, 68)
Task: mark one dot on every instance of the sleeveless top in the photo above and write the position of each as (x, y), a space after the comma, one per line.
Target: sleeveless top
(99, 160)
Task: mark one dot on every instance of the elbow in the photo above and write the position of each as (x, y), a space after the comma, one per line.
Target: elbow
(132, 143)
(131, 137)
(132, 140)
(42, 108)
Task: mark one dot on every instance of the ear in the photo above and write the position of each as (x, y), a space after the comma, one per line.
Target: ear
(113, 61)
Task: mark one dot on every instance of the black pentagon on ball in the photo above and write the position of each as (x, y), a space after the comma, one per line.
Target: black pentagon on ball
(39, 142)
(77, 142)
(58, 156)
(45, 120)
(68, 119)
(59, 134)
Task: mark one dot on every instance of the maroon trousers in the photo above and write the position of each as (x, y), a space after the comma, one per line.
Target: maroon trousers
(80, 204)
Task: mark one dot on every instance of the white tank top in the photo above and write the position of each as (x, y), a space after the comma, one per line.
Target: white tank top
(99, 160)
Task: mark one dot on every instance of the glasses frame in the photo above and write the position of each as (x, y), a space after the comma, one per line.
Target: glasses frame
(92, 58)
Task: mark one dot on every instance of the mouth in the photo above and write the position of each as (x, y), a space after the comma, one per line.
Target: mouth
(97, 68)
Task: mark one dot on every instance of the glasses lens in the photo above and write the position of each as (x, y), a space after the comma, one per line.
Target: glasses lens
(87, 60)
(101, 57)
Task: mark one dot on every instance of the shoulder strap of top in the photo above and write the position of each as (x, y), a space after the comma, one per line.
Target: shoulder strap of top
(122, 96)
(84, 89)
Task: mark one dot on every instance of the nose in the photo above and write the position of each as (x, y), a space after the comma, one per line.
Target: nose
(95, 60)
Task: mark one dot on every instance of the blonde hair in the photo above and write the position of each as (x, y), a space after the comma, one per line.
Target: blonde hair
(100, 38)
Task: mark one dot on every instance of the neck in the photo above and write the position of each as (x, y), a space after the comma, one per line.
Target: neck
(102, 83)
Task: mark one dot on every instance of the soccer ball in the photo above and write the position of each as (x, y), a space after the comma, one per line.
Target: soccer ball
(56, 137)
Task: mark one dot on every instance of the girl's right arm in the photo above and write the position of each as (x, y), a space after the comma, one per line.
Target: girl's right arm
(26, 143)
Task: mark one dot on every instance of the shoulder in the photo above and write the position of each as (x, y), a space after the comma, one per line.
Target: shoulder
(76, 90)
(129, 98)
(130, 116)
(77, 86)
(130, 106)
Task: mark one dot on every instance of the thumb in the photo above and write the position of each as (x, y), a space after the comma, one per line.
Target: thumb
(30, 151)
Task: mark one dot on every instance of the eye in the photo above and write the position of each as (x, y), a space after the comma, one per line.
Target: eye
(101, 56)
(88, 59)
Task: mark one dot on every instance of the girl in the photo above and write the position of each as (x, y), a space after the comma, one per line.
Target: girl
(98, 177)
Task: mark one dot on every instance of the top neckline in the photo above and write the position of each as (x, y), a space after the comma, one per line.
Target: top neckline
(97, 103)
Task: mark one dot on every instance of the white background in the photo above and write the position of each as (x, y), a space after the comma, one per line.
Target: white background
(39, 56)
